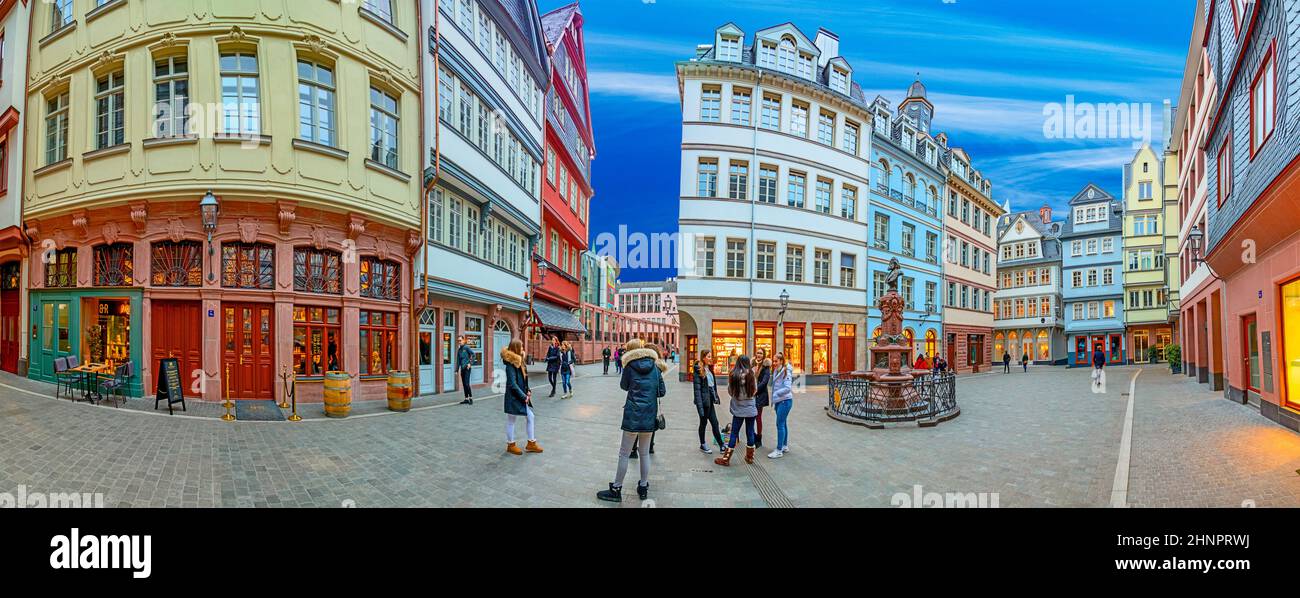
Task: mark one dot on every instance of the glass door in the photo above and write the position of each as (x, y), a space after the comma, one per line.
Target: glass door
(448, 348)
(1250, 351)
(425, 359)
(55, 335)
(1141, 340)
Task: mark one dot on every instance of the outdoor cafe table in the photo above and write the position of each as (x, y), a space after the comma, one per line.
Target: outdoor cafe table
(90, 379)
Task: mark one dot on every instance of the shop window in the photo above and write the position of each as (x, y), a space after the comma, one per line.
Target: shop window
(794, 343)
(177, 264)
(1291, 343)
(316, 340)
(378, 342)
(113, 265)
(380, 279)
(765, 339)
(728, 344)
(247, 266)
(11, 276)
(61, 270)
(317, 271)
(821, 350)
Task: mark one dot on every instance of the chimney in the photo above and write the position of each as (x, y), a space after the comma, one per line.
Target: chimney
(1046, 214)
(829, 44)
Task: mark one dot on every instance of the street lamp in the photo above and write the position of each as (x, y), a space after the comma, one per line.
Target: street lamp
(532, 293)
(208, 209)
(1194, 239)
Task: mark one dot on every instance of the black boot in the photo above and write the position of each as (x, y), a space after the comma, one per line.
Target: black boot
(614, 494)
(758, 440)
(643, 490)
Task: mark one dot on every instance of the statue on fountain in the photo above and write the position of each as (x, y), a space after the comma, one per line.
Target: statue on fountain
(896, 376)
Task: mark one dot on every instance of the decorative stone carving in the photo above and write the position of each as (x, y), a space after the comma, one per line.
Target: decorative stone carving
(316, 44)
(237, 34)
(287, 215)
(319, 237)
(111, 231)
(106, 58)
(248, 229)
(139, 216)
(81, 221)
(412, 242)
(175, 230)
(382, 250)
(356, 226)
(168, 40)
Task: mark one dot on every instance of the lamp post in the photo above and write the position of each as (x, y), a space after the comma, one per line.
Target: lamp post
(785, 304)
(532, 293)
(1194, 239)
(209, 207)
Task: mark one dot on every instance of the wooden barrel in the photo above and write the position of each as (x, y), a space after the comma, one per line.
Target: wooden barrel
(399, 391)
(338, 394)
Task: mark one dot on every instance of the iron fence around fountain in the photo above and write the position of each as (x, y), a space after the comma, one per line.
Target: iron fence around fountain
(927, 400)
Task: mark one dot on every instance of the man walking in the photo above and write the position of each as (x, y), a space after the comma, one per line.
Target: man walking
(1098, 371)
(604, 357)
(464, 362)
(1006, 362)
(1024, 362)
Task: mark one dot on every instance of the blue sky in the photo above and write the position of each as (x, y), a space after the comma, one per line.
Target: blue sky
(991, 67)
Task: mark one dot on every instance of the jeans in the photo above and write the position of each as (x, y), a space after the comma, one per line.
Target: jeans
(710, 417)
(736, 421)
(606, 366)
(782, 427)
(1006, 367)
(464, 382)
(568, 381)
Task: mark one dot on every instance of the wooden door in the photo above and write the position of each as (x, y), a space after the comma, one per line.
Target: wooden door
(847, 350)
(177, 331)
(248, 353)
(9, 332)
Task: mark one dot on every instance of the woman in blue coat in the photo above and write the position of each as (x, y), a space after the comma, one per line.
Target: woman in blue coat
(643, 379)
(518, 398)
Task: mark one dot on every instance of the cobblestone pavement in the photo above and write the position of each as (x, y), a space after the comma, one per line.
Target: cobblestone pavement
(1035, 439)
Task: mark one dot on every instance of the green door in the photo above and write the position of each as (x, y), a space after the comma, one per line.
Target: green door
(55, 336)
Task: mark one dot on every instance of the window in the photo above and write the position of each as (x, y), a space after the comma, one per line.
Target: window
(171, 83)
(741, 105)
(1092, 278)
(1144, 190)
(1225, 170)
(822, 196)
(1107, 245)
(849, 202)
(1107, 277)
(380, 279)
(708, 179)
(799, 119)
(176, 264)
(1263, 101)
(771, 116)
(795, 188)
(765, 263)
(848, 270)
(240, 103)
(839, 80)
(1076, 279)
(738, 181)
(247, 266)
(378, 342)
(794, 263)
(826, 128)
(735, 258)
(1092, 246)
(704, 249)
(767, 184)
(822, 266)
(382, 8)
(61, 270)
(711, 103)
(882, 231)
(317, 271)
(316, 103)
(383, 128)
(56, 129)
(729, 49)
(931, 247)
(316, 340)
(60, 14)
(877, 286)
(110, 113)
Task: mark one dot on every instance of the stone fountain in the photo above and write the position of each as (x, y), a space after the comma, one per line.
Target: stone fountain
(894, 381)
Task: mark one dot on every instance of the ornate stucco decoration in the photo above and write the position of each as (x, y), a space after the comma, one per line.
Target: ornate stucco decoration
(319, 237)
(175, 230)
(356, 226)
(248, 229)
(81, 221)
(139, 216)
(287, 214)
(111, 232)
(412, 242)
(382, 250)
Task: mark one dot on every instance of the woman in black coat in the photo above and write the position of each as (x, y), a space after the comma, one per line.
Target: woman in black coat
(643, 379)
(763, 374)
(553, 362)
(518, 397)
(706, 398)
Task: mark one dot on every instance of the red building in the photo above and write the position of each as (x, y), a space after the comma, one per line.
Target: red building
(566, 186)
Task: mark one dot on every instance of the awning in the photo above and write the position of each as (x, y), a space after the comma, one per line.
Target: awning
(553, 317)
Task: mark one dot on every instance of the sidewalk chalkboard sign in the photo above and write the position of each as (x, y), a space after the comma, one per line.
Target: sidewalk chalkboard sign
(169, 384)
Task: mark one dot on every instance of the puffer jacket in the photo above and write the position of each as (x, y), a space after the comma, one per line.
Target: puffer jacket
(643, 379)
(763, 396)
(706, 395)
(743, 406)
(783, 385)
(516, 396)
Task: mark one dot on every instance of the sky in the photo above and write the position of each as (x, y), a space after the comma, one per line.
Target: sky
(996, 70)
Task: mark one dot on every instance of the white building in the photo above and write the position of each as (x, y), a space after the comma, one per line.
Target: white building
(485, 75)
(14, 19)
(1027, 305)
(776, 154)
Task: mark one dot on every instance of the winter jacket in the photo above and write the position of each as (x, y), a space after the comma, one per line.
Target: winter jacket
(783, 385)
(605, 354)
(762, 396)
(516, 397)
(706, 395)
(643, 379)
(552, 359)
(1006, 358)
(1098, 359)
(464, 357)
(743, 406)
(567, 359)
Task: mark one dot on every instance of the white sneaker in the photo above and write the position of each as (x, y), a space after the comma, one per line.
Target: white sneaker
(776, 454)
(785, 449)
(704, 448)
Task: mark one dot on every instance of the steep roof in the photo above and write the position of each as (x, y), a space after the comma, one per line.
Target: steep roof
(555, 22)
(1091, 193)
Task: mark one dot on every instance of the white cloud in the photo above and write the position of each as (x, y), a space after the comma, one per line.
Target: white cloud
(654, 88)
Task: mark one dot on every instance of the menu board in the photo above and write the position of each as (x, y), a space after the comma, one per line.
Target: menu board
(169, 381)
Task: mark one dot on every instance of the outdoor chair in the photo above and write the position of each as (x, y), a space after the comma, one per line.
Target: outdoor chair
(66, 379)
(116, 385)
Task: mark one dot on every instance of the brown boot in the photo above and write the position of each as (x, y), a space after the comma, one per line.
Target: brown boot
(533, 447)
(749, 455)
(513, 449)
(725, 459)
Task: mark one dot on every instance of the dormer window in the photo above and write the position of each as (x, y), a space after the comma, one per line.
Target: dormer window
(729, 48)
(785, 56)
(840, 81)
(767, 55)
(806, 66)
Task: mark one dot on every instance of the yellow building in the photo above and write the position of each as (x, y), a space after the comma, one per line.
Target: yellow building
(1148, 180)
(300, 117)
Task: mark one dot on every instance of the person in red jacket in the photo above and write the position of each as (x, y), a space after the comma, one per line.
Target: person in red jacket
(921, 363)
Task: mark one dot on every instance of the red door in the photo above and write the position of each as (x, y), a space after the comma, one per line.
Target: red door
(9, 331)
(247, 350)
(177, 331)
(848, 348)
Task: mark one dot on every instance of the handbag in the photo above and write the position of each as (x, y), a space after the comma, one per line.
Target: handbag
(661, 422)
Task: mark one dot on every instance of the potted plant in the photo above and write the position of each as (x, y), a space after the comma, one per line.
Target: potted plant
(1174, 354)
(1153, 355)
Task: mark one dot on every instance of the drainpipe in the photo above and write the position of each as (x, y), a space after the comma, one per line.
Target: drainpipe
(424, 196)
(749, 320)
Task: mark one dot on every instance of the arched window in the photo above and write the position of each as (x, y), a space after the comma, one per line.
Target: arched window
(1044, 346)
(317, 271)
(931, 343)
(785, 55)
(61, 269)
(999, 345)
(380, 279)
(911, 186)
(113, 265)
(176, 264)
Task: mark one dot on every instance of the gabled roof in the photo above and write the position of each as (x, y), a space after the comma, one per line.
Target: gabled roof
(1091, 193)
(556, 22)
(527, 22)
(803, 38)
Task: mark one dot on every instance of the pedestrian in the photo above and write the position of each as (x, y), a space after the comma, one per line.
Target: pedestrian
(604, 357)
(518, 398)
(921, 363)
(1024, 362)
(706, 397)
(940, 365)
(568, 359)
(553, 362)
(1098, 368)
(782, 402)
(742, 387)
(464, 364)
(663, 368)
(644, 382)
(618, 361)
(1006, 362)
(763, 378)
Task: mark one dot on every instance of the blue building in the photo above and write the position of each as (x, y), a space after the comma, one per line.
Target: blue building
(904, 216)
(1092, 283)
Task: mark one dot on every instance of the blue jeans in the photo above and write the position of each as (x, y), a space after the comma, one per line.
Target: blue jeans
(735, 431)
(568, 380)
(782, 428)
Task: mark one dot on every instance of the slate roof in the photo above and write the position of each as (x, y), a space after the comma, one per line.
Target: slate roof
(1050, 233)
(555, 22)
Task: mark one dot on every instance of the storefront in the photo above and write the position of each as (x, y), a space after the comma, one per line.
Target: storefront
(1110, 344)
(11, 332)
(728, 344)
(96, 325)
(1290, 316)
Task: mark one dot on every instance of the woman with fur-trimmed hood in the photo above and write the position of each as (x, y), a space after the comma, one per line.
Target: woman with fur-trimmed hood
(643, 379)
(518, 398)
